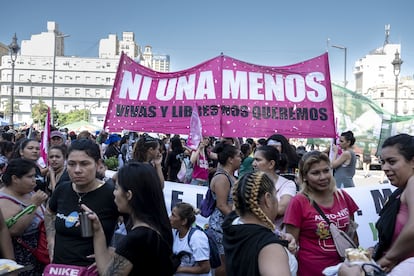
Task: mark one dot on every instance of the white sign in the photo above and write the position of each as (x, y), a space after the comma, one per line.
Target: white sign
(370, 200)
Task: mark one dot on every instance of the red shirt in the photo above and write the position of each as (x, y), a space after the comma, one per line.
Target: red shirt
(316, 247)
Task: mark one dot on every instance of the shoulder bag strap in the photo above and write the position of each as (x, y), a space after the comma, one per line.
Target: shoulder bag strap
(190, 234)
(226, 174)
(321, 212)
(26, 210)
(11, 221)
(13, 200)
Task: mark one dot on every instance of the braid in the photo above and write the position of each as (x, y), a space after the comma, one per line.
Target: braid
(254, 202)
(247, 192)
(235, 194)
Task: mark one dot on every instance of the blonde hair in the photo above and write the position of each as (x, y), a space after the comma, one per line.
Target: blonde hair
(247, 193)
(305, 164)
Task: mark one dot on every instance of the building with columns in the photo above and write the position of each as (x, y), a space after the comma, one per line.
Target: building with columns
(79, 83)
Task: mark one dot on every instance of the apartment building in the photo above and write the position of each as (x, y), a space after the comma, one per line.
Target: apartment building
(79, 82)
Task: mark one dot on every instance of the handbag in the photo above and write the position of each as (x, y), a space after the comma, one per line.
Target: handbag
(182, 172)
(341, 240)
(41, 253)
(352, 226)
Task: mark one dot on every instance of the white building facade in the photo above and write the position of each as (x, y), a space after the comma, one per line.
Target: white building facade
(375, 79)
(80, 83)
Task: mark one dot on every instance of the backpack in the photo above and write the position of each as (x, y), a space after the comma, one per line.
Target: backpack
(185, 173)
(215, 260)
(208, 204)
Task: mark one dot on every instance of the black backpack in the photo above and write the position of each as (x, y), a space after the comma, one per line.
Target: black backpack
(215, 260)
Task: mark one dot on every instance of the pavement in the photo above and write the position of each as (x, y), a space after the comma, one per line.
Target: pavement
(373, 177)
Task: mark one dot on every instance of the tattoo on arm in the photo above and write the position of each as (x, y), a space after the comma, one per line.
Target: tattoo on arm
(118, 266)
(50, 223)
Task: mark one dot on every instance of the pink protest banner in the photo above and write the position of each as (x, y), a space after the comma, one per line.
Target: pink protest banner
(234, 99)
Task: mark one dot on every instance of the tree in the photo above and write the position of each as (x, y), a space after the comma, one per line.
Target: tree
(73, 116)
(39, 112)
(7, 107)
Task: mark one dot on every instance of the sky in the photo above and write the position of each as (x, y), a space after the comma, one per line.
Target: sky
(265, 32)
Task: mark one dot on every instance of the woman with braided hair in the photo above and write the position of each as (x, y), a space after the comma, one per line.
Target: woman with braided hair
(250, 245)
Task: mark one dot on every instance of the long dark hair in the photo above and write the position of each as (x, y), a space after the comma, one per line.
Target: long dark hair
(147, 203)
(292, 157)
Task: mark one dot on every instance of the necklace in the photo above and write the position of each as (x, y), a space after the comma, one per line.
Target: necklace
(81, 196)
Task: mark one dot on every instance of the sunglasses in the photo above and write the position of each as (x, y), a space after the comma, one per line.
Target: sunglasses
(149, 139)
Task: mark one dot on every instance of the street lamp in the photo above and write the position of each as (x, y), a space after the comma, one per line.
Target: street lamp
(14, 49)
(98, 104)
(53, 77)
(397, 69)
(345, 50)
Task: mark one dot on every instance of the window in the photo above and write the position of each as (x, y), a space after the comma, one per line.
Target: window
(77, 91)
(20, 89)
(382, 94)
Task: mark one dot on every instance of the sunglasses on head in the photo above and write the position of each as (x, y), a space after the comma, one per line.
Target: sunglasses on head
(149, 139)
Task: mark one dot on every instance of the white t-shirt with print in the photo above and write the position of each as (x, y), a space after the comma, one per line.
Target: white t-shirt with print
(198, 247)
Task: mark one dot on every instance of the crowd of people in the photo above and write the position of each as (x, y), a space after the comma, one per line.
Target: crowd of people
(266, 220)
